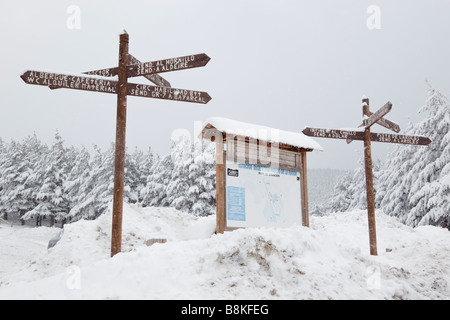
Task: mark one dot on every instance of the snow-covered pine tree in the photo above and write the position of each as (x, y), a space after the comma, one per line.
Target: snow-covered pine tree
(75, 184)
(144, 163)
(350, 192)
(183, 178)
(34, 153)
(132, 176)
(3, 150)
(53, 203)
(202, 173)
(14, 171)
(357, 187)
(394, 186)
(5, 163)
(154, 194)
(97, 190)
(419, 177)
(342, 197)
(192, 185)
(178, 188)
(3, 158)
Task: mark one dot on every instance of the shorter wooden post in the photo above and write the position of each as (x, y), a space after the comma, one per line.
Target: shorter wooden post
(304, 189)
(220, 185)
(369, 184)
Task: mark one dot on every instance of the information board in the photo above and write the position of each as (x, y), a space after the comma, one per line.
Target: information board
(261, 196)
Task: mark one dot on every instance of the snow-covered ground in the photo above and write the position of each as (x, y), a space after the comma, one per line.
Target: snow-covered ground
(330, 260)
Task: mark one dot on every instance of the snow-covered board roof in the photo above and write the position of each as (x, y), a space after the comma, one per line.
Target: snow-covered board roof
(262, 133)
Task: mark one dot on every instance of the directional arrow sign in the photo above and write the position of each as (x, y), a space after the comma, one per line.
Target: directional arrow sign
(160, 66)
(333, 133)
(101, 84)
(387, 124)
(378, 115)
(146, 91)
(399, 138)
(77, 82)
(168, 65)
(359, 135)
(155, 78)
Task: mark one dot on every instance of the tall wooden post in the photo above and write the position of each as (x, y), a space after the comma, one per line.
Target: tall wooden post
(119, 162)
(369, 183)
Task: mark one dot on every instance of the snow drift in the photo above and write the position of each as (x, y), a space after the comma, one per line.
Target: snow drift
(330, 260)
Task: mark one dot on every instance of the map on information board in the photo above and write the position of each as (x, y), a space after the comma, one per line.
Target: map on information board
(261, 196)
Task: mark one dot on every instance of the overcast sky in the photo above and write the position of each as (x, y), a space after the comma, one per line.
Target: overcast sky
(284, 64)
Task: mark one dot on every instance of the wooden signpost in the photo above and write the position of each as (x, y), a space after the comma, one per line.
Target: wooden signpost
(365, 135)
(100, 81)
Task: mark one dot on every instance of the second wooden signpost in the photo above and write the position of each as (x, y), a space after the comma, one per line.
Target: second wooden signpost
(368, 137)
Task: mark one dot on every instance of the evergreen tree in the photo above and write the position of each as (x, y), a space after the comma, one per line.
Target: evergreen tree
(350, 192)
(3, 158)
(155, 194)
(144, 163)
(180, 184)
(52, 173)
(202, 174)
(184, 179)
(75, 184)
(342, 196)
(394, 184)
(97, 191)
(416, 179)
(14, 171)
(34, 153)
(132, 183)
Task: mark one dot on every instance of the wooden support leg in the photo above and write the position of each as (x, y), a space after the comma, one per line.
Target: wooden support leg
(369, 185)
(304, 190)
(220, 186)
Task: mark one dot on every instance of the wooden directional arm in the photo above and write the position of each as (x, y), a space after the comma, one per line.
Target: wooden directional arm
(160, 66)
(359, 135)
(98, 84)
(375, 117)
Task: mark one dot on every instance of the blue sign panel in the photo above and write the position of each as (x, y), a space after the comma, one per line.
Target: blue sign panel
(236, 203)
